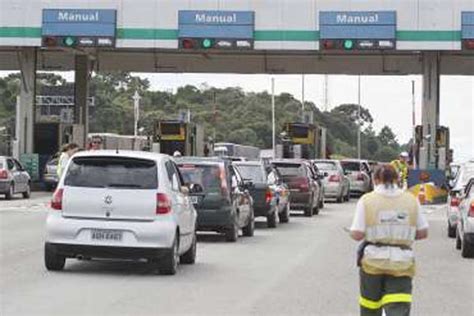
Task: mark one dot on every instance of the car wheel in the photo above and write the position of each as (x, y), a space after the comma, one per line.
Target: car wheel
(467, 249)
(458, 240)
(232, 234)
(10, 192)
(52, 260)
(308, 212)
(169, 264)
(249, 229)
(27, 193)
(451, 231)
(272, 220)
(285, 215)
(189, 257)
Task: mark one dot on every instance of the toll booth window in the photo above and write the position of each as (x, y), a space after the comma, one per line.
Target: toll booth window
(170, 129)
(298, 131)
(112, 172)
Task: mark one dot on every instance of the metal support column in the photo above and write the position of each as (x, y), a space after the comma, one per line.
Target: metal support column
(430, 109)
(81, 94)
(26, 102)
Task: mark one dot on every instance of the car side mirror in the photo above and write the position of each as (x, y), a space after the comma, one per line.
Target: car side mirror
(195, 188)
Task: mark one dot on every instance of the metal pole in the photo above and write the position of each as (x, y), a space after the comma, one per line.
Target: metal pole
(302, 97)
(358, 118)
(273, 119)
(136, 112)
(413, 122)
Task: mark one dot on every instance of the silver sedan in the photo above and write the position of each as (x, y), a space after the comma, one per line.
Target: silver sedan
(336, 183)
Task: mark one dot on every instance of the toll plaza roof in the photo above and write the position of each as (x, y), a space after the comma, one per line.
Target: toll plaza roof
(242, 36)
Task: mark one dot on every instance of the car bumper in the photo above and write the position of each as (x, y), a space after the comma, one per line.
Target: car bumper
(300, 200)
(74, 251)
(50, 179)
(135, 234)
(453, 215)
(332, 190)
(4, 186)
(359, 186)
(263, 210)
(214, 219)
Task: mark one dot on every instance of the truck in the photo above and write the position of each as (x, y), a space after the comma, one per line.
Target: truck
(237, 150)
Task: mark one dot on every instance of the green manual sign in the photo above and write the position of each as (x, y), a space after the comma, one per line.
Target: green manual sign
(31, 164)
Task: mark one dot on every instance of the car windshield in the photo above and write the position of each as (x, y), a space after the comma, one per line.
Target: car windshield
(109, 172)
(252, 172)
(326, 165)
(350, 165)
(290, 169)
(208, 176)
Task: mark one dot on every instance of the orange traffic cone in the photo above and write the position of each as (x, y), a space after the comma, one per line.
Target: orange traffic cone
(422, 194)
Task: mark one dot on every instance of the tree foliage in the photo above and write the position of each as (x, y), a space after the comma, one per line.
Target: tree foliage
(230, 113)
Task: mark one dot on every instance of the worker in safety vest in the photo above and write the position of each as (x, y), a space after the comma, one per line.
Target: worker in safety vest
(401, 166)
(387, 221)
(66, 153)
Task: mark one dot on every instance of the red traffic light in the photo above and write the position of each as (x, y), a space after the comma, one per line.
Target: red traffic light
(188, 43)
(469, 44)
(50, 41)
(329, 44)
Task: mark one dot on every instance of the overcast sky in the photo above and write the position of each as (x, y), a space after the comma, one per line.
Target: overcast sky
(388, 98)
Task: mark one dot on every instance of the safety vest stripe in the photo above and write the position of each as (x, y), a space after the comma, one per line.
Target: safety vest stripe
(386, 299)
(397, 232)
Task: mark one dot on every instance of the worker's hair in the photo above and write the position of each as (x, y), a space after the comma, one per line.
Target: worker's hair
(386, 175)
(69, 146)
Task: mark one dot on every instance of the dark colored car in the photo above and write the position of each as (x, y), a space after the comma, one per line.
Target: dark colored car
(50, 176)
(224, 205)
(305, 192)
(263, 195)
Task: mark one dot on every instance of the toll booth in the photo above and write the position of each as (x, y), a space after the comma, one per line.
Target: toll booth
(173, 135)
(303, 140)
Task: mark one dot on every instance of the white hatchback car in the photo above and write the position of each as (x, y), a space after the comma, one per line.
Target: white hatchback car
(121, 204)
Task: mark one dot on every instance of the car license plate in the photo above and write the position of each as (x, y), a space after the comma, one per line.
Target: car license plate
(194, 199)
(100, 234)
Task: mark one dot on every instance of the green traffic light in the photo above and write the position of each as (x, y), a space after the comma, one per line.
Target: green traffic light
(348, 44)
(69, 41)
(206, 43)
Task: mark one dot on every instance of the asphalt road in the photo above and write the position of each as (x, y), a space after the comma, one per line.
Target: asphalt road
(306, 267)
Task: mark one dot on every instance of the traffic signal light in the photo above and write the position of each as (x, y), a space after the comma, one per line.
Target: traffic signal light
(69, 41)
(468, 44)
(212, 43)
(356, 44)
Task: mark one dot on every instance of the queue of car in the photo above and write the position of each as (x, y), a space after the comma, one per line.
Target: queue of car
(460, 208)
(147, 206)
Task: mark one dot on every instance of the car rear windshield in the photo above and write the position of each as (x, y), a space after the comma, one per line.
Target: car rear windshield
(350, 165)
(326, 165)
(208, 176)
(112, 172)
(252, 172)
(290, 169)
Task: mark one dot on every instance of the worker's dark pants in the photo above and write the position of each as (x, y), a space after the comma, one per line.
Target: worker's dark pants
(392, 294)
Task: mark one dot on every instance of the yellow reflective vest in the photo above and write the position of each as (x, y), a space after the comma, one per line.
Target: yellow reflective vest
(390, 229)
(402, 169)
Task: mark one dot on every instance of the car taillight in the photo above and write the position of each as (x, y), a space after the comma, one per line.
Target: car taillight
(57, 200)
(303, 184)
(3, 174)
(163, 204)
(455, 202)
(334, 178)
(471, 210)
(268, 196)
(360, 177)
